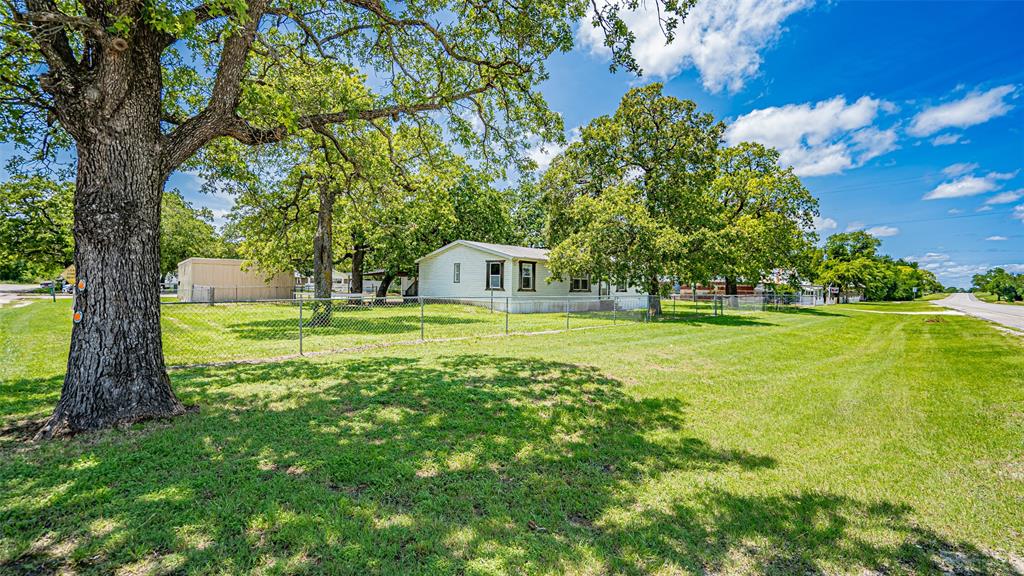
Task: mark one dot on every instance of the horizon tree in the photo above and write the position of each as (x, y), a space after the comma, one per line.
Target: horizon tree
(629, 201)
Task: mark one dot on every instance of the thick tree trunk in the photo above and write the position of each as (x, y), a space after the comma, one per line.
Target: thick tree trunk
(385, 284)
(654, 297)
(323, 246)
(358, 258)
(323, 257)
(115, 372)
(730, 286)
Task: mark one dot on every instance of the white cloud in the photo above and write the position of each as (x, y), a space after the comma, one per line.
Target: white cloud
(954, 211)
(959, 168)
(854, 226)
(544, 152)
(931, 257)
(722, 39)
(1018, 212)
(883, 231)
(969, 185)
(1007, 197)
(996, 238)
(975, 108)
(945, 139)
(826, 137)
(824, 224)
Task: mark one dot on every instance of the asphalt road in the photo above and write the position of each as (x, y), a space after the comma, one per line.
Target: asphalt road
(17, 288)
(1009, 315)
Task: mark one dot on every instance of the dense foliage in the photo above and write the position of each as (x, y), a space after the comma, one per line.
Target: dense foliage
(187, 231)
(35, 228)
(381, 198)
(850, 261)
(648, 194)
(1004, 285)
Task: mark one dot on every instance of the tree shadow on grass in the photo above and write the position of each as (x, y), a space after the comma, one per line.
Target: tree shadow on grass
(24, 402)
(724, 320)
(342, 325)
(459, 464)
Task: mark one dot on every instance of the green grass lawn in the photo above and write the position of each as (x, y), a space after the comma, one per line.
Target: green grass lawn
(933, 297)
(794, 442)
(987, 297)
(913, 306)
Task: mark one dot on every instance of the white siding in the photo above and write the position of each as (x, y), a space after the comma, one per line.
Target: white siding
(436, 275)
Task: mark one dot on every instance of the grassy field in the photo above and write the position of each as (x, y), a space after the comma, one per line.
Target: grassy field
(200, 333)
(987, 297)
(794, 442)
(915, 306)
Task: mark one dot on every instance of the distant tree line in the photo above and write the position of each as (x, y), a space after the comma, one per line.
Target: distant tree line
(36, 240)
(851, 262)
(1000, 283)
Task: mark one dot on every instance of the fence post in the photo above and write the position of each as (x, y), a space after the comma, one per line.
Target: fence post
(506, 315)
(566, 312)
(421, 318)
(615, 309)
(300, 327)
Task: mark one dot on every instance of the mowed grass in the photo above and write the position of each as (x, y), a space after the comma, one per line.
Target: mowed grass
(914, 306)
(988, 297)
(794, 442)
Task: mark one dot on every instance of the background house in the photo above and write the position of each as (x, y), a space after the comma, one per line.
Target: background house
(493, 274)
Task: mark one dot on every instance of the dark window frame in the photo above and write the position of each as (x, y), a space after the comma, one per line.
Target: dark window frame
(501, 275)
(572, 283)
(457, 273)
(532, 267)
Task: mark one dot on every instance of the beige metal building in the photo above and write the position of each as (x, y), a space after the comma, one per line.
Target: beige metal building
(224, 280)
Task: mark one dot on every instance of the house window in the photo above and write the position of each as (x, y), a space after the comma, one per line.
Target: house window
(580, 284)
(527, 272)
(457, 273)
(495, 275)
(621, 287)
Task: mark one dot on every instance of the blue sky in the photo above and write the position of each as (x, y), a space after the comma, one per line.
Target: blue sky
(903, 118)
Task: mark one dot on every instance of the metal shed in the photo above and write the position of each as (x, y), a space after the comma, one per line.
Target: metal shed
(224, 280)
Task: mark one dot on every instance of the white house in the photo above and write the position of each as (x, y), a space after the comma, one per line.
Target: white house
(496, 274)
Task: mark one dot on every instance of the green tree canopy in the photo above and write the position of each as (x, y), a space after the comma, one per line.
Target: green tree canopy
(35, 227)
(186, 232)
(629, 201)
(648, 194)
(1005, 285)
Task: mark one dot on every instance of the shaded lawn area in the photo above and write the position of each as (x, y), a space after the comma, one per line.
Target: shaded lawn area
(817, 441)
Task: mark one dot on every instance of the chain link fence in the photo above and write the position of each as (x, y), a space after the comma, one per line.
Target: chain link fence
(206, 332)
(212, 331)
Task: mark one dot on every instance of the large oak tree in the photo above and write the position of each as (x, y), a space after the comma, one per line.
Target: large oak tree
(648, 194)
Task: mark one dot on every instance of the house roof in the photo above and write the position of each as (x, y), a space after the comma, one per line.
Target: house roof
(504, 250)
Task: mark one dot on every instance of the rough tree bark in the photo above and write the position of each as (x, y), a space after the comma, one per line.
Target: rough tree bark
(323, 255)
(116, 372)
